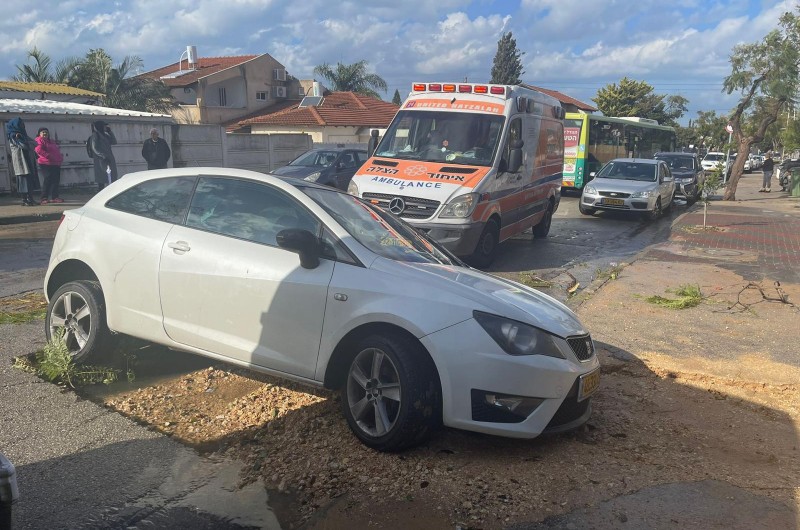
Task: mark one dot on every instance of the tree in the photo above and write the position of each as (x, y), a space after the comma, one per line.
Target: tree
(40, 69)
(121, 87)
(507, 64)
(396, 99)
(765, 73)
(352, 78)
(636, 98)
(711, 130)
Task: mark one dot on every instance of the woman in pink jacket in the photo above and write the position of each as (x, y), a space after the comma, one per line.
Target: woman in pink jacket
(49, 161)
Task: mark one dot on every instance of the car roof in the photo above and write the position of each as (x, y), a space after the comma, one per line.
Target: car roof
(637, 160)
(674, 153)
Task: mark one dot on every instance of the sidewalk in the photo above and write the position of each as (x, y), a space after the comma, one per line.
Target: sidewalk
(12, 211)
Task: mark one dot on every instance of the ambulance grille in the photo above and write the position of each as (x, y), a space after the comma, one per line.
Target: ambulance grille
(416, 208)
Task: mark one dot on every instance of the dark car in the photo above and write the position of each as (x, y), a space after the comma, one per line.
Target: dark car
(688, 174)
(332, 167)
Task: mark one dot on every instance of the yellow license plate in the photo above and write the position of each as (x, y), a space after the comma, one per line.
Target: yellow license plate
(614, 202)
(588, 384)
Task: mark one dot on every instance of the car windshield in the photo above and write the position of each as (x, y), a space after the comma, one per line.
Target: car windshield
(678, 162)
(315, 159)
(628, 171)
(434, 136)
(714, 158)
(379, 231)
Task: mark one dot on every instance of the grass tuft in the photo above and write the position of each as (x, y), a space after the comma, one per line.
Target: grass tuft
(687, 296)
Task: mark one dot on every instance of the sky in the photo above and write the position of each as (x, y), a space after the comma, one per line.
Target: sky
(574, 46)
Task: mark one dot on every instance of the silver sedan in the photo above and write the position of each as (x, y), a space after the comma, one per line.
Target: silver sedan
(630, 184)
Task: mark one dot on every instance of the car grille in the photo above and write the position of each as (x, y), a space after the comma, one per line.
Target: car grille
(582, 347)
(616, 194)
(570, 410)
(416, 208)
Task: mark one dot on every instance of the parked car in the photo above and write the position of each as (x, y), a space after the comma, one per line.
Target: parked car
(331, 167)
(687, 172)
(715, 159)
(630, 184)
(306, 282)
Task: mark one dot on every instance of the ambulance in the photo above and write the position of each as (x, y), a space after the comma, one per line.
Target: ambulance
(469, 164)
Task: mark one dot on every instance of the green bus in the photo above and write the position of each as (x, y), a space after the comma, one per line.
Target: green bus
(590, 141)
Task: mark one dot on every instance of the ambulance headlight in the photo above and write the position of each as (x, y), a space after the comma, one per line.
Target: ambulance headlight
(461, 206)
(352, 189)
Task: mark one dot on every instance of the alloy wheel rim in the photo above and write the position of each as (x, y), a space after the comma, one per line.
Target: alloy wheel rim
(71, 314)
(373, 392)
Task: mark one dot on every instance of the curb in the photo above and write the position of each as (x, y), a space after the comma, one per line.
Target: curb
(33, 218)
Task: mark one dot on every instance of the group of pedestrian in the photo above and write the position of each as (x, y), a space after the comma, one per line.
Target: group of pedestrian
(32, 158)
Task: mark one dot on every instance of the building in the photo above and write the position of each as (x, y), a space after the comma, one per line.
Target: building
(219, 90)
(335, 117)
(568, 103)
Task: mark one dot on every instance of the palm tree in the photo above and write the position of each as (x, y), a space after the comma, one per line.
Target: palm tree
(121, 87)
(352, 78)
(40, 69)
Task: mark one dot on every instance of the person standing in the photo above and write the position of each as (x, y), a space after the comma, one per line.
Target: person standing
(99, 144)
(49, 161)
(156, 151)
(23, 160)
(767, 168)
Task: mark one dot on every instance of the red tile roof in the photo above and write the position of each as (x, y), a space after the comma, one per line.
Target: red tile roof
(563, 98)
(205, 66)
(336, 109)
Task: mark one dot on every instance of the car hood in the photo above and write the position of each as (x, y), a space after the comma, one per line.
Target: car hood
(682, 173)
(296, 171)
(484, 292)
(624, 186)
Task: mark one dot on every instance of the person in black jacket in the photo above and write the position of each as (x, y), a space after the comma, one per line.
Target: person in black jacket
(99, 148)
(767, 168)
(156, 151)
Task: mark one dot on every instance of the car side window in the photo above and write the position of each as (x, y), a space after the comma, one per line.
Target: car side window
(246, 210)
(361, 157)
(164, 199)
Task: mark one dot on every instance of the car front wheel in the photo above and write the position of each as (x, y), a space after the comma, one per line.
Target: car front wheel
(391, 398)
(584, 210)
(655, 213)
(486, 250)
(77, 310)
(543, 228)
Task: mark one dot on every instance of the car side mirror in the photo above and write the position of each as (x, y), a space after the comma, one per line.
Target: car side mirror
(303, 242)
(593, 174)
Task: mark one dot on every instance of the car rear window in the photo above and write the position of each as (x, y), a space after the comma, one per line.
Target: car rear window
(164, 199)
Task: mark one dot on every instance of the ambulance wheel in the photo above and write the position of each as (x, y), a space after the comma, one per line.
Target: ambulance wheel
(486, 250)
(541, 230)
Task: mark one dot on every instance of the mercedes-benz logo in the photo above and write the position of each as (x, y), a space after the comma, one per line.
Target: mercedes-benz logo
(397, 205)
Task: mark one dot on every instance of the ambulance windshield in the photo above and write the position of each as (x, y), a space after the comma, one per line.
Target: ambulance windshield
(434, 136)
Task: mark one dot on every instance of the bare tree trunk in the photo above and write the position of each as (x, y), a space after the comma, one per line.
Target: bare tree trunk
(738, 169)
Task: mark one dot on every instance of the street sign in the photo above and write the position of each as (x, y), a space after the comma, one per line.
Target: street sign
(729, 128)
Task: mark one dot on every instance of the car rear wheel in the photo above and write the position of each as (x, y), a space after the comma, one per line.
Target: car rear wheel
(77, 309)
(391, 398)
(543, 228)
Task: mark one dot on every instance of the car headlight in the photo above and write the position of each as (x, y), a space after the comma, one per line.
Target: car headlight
(687, 180)
(591, 190)
(313, 177)
(516, 338)
(461, 206)
(641, 194)
(352, 188)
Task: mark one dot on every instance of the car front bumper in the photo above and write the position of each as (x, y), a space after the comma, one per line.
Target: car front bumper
(600, 202)
(686, 190)
(473, 370)
(460, 239)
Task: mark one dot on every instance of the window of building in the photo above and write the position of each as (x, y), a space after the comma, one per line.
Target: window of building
(223, 99)
(262, 96)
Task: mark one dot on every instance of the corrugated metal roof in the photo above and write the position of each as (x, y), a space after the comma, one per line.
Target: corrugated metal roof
(336, 109)
(50, 88)
(205, 66)
(45, 106)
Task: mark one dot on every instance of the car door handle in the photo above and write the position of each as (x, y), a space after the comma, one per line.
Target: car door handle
(179, 247)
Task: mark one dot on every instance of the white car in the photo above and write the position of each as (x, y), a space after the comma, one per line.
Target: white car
(306, 282)
(714, 160)
(630, 184)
